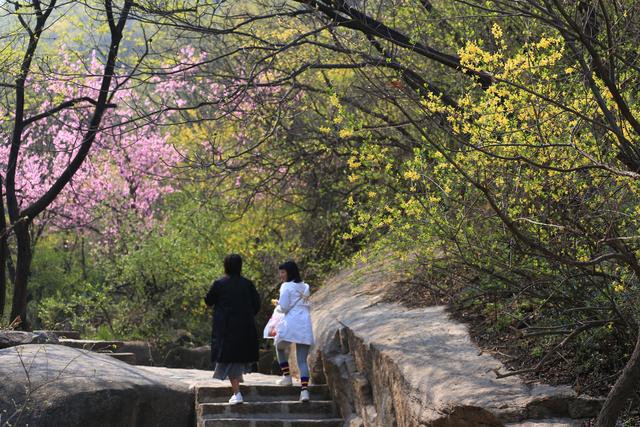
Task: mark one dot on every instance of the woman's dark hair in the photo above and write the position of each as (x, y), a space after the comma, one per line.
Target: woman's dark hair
(293, 273)
(233, 264)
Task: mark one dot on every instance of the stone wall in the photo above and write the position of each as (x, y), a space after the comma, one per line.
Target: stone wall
(391, 366)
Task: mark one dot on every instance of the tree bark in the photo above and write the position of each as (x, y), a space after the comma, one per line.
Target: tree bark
(83, 259)
(621, 392)
(23, 267)
(3, 253)
(10, 268)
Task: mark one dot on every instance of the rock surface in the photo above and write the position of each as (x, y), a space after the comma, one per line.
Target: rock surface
(53, 385)
(144, 352)
(14, 338)
(93, 345)
(389, 365)
(194, 378)
(62, 334)
(188, 357)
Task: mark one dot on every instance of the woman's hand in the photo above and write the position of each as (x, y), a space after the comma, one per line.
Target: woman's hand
(275, 302)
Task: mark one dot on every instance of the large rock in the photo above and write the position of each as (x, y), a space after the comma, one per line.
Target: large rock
(390, 365)
(14, 338)
(62, 334)
(188, 357)
(93, 345)
(144, 352)
(53, 385)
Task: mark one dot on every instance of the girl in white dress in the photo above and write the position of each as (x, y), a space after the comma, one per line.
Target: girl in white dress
(295, 328)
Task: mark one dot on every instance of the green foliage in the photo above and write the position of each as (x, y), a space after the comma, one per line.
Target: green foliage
(148, 286)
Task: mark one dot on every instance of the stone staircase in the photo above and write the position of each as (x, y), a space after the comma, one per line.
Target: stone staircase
(266, 406)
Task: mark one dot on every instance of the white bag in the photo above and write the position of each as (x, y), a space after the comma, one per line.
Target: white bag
(271, 329)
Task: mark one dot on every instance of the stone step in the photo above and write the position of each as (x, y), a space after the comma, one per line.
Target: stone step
(75, 335)
(93, 345)
(260, 393)
(275, 422)
(293, 409)
(129, 358)
(550, 422)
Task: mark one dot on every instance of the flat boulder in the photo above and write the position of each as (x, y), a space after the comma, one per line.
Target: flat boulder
(93, 345)
(62, 334)
(145, 353)
(14, 338)
(188, 357)
(53, 385)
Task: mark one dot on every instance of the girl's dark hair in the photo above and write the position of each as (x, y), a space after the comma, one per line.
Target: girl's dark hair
(293, 273)
(233, 264)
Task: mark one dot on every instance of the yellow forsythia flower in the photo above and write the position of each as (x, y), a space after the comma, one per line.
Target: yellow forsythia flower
(412, 175)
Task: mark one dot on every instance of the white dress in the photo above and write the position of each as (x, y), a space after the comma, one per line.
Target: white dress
(294, 303)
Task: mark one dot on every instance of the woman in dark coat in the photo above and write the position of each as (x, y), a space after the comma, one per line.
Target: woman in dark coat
(234, 337)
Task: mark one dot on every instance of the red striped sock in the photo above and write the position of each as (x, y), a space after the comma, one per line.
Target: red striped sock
(305, 382)
(284, 367)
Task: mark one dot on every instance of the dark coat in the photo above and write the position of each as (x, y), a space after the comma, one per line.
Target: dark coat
(234, 337)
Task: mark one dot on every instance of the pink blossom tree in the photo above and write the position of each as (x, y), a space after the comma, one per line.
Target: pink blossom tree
(131, 164)
(26, 112)
(129, 168)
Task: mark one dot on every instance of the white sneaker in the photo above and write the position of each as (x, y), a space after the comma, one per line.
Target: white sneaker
(236, 399)
(285, 380)
(304, 395)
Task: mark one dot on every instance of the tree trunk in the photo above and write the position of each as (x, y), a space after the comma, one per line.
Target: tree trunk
(3, 280)
(83, 259)
(622, 390)
(23, 267)
(10, 268)
(3, 254)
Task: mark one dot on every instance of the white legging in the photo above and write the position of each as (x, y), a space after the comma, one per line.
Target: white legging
(302, 352)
